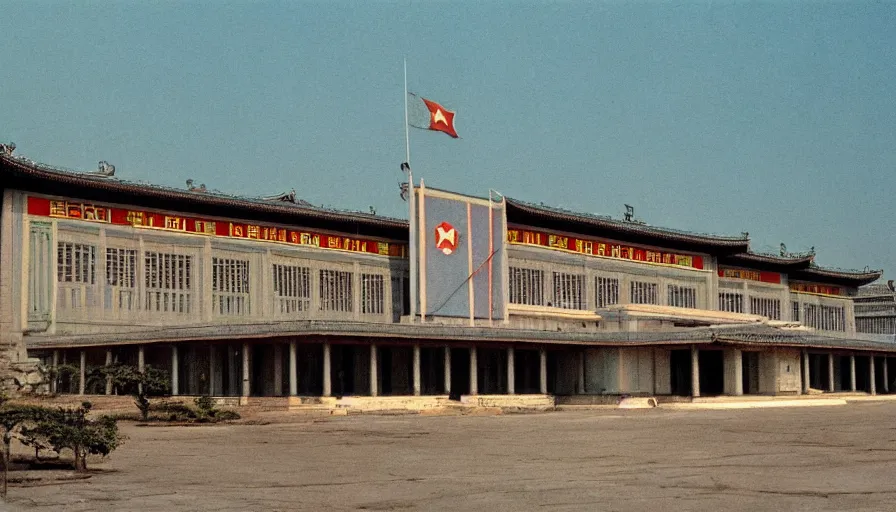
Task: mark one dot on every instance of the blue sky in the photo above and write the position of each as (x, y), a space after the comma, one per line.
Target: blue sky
(773, 118)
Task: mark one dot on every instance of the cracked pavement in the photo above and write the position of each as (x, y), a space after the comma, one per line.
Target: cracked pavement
(804, 458)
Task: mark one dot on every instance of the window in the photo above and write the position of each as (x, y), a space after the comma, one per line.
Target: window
(770, 308)
(335, 291)
(400, 298)
(169, 282)
(526, 286)
(230, 286)
(731, 302)
(76, 274)
(682, 297)
(372, 294)
(795, 311)
(40, 277)
(569, 291)
(121, 279)
(876, 325)
(825, 318)
(76, 263)
(607, 291)
(292, 289)
(643, 293)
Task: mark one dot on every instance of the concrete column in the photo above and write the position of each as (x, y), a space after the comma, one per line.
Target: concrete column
(108, 377)
(247, 388)
(511, 377)
(852, 372)
(695, 371)
(278, 370)
(830, 373)
(582, 378)
(328, 390)
(141, 363)
(293, 374)
(474, 378)
(174, 372)
(447, 370)
(82, 376)
(374, 382)
(416, 369)
(806, 377)
(53, 383)
(212, 370)
(738, 361)
(871, 377)
(543, 371)
(886, 376)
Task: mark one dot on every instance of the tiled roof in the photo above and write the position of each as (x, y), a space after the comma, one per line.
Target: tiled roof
(436, 333)
(837, 276)
(770, 336)
(787, 262)
(621, 226)
(10, 164)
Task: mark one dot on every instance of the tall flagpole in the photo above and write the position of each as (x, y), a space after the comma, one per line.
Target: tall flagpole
(412, 233)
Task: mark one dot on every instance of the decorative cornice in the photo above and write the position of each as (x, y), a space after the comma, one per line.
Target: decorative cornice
(627, 227)
(16, 165)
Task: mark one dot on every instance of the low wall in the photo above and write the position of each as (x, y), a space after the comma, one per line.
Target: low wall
(534, 402)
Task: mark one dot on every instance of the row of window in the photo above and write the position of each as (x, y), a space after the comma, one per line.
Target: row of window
(168, 284)
(825, 318)
(527, 287)
(876, 325)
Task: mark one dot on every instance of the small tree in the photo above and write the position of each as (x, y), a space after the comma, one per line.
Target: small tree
(72, 429)
(142, 386)
(14, 418)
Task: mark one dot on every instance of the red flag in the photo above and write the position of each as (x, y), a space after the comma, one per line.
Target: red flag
(440, 119)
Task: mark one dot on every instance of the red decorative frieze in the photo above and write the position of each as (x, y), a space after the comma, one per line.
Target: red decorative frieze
(197, 226)
(602, 248)
(819, 289)
(750, 275)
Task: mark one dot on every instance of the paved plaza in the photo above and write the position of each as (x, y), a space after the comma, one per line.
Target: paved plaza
(806, 458)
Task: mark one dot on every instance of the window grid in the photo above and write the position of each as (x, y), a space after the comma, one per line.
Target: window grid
(292, 289)
(876, 325)
(76, 274)
(569, 290)
(168, 279)
(121, 279)
(336, 291)
(731, 302)
(76, 263)
(825, 318)
(230, 286)
(643, 293)
(607, 291)
(795, 311)
(372, 294)
(770, 308)
(682, 296)
(526, 286)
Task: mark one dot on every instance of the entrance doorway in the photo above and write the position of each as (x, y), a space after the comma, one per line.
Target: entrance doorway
(680, 372)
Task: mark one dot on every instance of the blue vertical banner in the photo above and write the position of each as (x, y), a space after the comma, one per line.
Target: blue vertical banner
(460, 255)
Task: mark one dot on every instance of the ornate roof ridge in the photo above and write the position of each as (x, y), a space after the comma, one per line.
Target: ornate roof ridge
(109, 179)
(845, 271)
(631, 225)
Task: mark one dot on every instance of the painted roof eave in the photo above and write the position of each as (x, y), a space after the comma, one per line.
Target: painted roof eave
(779, 263)
(623, 228)
(833, 276)
(36, 171)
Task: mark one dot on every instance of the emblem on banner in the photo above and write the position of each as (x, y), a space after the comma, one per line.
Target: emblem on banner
(446, 238)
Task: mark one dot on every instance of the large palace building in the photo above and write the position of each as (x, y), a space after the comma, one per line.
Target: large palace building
(476, 299)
